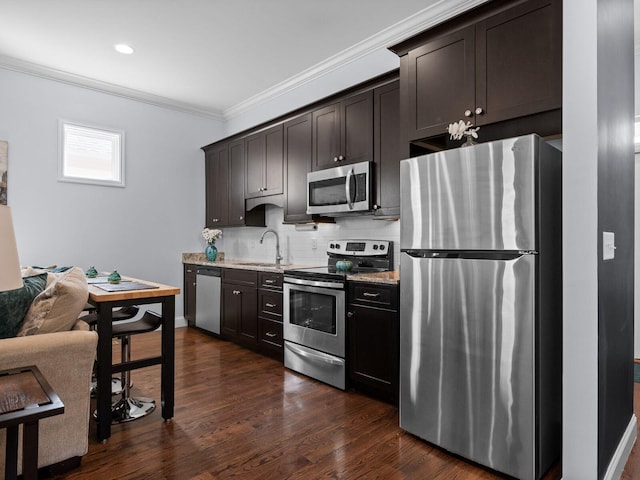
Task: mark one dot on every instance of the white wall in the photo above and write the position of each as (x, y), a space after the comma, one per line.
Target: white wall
(580, 246)
(142, 229)
(636, 343)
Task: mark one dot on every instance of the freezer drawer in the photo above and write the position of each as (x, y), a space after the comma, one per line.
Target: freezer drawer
(467, 358)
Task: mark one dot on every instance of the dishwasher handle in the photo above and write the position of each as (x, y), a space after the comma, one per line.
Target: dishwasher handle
(209, 271)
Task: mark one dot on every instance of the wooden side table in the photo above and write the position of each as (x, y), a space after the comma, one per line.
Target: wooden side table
(25, 398)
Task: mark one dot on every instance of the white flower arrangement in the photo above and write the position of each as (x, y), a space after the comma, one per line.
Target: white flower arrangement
(460, 129)
(211, 234)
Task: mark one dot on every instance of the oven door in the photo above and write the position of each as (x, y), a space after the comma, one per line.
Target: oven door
(338, 190)
(314, 317)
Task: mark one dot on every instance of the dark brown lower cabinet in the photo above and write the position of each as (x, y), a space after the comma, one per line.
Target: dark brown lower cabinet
(373, 326)
(189, 293)
(270, 309)
(239, 321)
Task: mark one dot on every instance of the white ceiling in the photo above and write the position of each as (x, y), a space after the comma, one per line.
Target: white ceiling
(212, 57)
(202, 55)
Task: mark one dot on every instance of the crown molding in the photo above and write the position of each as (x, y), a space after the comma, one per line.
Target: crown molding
(22, 66)
(433, 15)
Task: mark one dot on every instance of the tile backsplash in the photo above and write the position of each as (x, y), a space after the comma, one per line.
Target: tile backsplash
(243, 243)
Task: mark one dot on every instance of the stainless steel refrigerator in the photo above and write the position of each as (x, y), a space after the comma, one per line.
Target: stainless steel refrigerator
(481, 296)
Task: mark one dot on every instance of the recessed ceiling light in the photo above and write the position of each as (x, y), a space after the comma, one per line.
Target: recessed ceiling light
(123, 48)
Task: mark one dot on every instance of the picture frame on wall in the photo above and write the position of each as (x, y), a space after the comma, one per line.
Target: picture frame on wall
(4, 166)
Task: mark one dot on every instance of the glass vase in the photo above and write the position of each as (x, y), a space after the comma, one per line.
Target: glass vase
(469, 142)
(211, 252)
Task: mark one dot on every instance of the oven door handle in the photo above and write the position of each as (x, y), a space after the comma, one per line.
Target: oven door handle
(347, 187)
(313, 356)
(315, 283)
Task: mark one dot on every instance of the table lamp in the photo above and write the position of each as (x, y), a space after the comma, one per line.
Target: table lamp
(10, 277)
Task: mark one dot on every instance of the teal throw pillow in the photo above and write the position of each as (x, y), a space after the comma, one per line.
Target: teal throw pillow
(14, 304)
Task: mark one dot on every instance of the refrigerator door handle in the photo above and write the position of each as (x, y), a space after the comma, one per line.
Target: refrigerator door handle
(471, 255)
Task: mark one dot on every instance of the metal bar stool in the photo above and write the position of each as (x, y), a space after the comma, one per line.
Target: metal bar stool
(128, 407)
(123, 313)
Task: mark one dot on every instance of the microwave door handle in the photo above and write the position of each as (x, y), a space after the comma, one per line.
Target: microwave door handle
(348, 188)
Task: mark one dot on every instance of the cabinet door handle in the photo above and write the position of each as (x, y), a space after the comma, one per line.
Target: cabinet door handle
(271, 305)
(236, 292)
(479, 111)
(335, 159)
(270, 334)
(195, 284)
(468, 113)
(241, 217)
(372, 295)
(341, 158)
(349, 314)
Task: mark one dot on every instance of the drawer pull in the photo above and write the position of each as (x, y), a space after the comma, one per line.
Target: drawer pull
(372, 295)
(271, 334)
(271, 305)
(236, 292)
(269, 281)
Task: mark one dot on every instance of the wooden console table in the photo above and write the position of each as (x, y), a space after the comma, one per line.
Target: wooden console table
(25, 398)
(105, 302)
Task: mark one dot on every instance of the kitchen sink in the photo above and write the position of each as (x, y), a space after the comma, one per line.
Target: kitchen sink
(261, 264)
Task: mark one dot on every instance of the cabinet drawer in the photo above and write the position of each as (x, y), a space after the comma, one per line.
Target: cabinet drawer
(383, 296)
(189, 269)
(271, 332)
(270, 280)
(270, 303)
(244, 277)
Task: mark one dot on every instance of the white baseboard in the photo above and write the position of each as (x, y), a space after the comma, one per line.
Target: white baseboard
(621, 455)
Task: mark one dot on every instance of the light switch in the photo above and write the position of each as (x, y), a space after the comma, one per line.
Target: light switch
(608, 245)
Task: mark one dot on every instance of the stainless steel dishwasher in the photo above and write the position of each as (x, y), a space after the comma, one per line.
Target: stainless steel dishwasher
(208, 286)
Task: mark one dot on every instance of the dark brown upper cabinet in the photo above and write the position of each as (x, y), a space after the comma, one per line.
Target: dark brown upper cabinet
(343, 132)
(388, 149)
(297, 154)
(264, 163)
(224, 187)
(217, 186)
(500, 67)
(236, 184)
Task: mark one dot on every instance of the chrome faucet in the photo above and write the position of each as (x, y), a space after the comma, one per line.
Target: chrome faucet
(278, 256)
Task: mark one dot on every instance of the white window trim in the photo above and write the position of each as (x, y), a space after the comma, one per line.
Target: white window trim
(636, 136)
(66, 178)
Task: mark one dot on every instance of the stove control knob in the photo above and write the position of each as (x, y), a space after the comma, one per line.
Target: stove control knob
(337, 246)
(375, 247)
(381, 246)
(331, 245)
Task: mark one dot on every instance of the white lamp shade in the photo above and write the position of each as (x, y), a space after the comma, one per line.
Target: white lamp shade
(10, 277)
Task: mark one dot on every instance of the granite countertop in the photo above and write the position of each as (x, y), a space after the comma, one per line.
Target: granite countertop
(390, 278)
(201, 259)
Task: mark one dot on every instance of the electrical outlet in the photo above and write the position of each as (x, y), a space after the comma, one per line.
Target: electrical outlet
(314, 244)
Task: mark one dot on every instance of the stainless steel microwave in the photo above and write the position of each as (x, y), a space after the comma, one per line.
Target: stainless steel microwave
(340, 190)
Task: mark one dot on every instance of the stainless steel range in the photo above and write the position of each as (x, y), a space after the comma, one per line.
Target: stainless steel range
(314, 314)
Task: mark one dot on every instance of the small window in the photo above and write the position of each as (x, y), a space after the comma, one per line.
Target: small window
(636, 136)
(91, 155)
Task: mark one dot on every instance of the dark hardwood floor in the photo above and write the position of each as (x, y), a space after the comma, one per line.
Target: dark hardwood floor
(241, 415)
